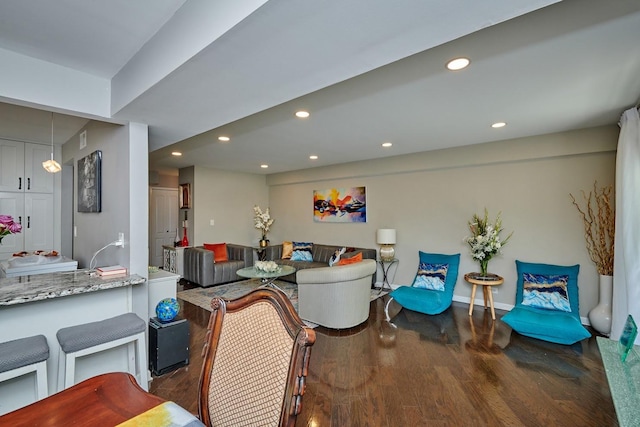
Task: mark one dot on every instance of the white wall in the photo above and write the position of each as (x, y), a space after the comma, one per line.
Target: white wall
(95, 230)
(227, 198)
(429, 198)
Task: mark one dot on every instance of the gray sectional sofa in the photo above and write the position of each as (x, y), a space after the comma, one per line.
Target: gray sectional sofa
(200, 268)
(321, 256)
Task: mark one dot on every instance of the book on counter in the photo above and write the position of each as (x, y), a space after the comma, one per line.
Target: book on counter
(111, 270)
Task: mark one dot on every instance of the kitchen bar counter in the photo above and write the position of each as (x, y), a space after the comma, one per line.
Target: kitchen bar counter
(25, 289)
(45, 303)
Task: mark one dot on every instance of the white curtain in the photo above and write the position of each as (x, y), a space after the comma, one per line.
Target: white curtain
(626, 268)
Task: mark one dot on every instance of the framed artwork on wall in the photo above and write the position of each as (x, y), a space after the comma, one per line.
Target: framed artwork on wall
(340, 205)
(90, 183)
(185, 196)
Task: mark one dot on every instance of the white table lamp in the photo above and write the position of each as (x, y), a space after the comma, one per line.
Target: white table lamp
(386, 238)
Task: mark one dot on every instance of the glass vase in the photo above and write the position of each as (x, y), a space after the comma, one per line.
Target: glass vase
(484, 264)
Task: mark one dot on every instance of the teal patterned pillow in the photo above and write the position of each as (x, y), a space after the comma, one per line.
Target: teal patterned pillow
(302, 251)
(431, 276)
(547, 291)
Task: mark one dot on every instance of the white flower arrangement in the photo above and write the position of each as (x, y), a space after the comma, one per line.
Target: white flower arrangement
(262, 220)
(267, 266)
(485, 240)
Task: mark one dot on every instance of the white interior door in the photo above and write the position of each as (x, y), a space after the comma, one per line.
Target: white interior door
(163, 221)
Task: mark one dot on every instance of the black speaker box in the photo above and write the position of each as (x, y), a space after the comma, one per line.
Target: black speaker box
(168, 345)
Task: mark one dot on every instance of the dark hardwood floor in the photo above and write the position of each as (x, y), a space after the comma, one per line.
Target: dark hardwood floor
(445, 370)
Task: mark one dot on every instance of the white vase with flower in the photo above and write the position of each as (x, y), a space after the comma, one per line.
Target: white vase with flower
(598, 217)
(263, 222)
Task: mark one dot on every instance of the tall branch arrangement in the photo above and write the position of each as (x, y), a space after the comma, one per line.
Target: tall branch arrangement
(598, 216)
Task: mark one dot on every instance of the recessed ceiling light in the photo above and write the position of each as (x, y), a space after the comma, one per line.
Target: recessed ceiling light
(176, 153)
(264, 166)
(224, 138)
(458, 64)
(498, 125)
(386, 144)
(313, 157)
(302, 114)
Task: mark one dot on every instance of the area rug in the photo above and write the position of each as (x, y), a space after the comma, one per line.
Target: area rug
(202, 296)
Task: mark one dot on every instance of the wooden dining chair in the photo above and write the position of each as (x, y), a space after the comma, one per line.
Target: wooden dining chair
(256, 358)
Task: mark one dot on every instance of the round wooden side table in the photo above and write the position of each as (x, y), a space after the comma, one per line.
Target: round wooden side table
(477, 279)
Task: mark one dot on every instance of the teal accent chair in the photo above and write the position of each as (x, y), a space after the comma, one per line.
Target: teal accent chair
(545, 324)
(428, 301)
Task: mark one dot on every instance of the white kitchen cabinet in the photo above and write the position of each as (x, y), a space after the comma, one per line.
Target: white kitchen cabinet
(21, 167)
(35, 213)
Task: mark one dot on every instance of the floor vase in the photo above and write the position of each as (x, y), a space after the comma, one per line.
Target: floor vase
(600, 315)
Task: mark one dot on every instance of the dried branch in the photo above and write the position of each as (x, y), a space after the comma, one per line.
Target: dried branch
(598, 216)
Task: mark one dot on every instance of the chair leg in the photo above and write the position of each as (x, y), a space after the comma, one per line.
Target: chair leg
(41, 380)
(142, 362)
(386, 309)
(473, 297)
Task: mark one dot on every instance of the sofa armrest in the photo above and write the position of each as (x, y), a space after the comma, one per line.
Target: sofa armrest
(198, 265)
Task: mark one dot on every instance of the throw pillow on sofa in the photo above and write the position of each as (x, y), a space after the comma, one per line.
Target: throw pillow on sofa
(219, 251)
(287, 250)
(352, 260)
(302, 251)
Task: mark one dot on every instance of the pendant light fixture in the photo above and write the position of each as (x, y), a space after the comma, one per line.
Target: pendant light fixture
(51, 166)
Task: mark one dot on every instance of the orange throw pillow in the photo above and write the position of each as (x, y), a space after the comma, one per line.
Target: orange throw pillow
(287, 250)
(219, 251)
(352, 260)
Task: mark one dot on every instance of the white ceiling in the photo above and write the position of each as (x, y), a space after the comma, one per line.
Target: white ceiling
(369, 71)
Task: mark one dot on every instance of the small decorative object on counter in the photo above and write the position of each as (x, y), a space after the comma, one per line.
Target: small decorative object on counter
(185, 225)
(167, 309)
(8, 226)
(177, 241)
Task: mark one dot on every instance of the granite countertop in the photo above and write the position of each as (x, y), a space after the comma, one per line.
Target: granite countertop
(38, 287)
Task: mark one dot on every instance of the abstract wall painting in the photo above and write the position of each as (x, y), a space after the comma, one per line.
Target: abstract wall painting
(89, 183)
(340, 205)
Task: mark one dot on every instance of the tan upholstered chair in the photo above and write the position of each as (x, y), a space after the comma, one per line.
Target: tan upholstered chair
(336, 297)
(256, 358)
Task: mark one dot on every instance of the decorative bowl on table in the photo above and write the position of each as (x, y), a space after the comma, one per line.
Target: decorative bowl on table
(267, 266)
(167, 309)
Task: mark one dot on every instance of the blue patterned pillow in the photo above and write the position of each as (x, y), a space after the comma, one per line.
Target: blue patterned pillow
(302, 251)
(431, 276)
(547, 291)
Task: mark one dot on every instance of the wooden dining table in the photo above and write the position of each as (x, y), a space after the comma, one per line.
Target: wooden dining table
(105, 400)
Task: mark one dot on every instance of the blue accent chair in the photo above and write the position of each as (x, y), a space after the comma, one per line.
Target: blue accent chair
(428, 301)
(545, 324)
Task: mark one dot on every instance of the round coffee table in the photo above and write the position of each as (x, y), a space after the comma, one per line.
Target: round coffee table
(477, 279)
(265, 277)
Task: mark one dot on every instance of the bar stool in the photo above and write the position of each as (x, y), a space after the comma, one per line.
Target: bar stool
(89, 338)
(22, 356)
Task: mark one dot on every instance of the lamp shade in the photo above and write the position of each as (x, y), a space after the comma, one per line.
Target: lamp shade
(386, 236)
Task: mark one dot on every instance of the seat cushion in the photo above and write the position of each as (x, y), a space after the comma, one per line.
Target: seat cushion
(75, 338)
(548, 325)
(23, 352)
(421, 300)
